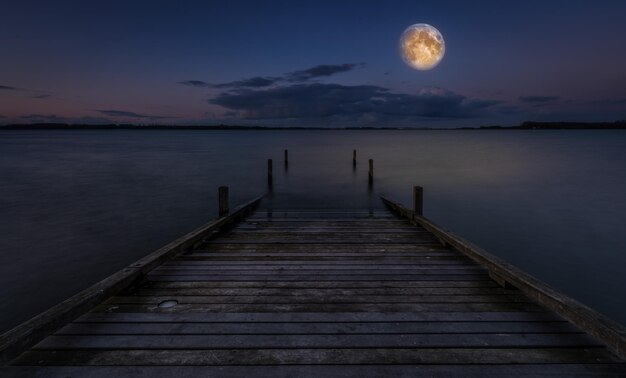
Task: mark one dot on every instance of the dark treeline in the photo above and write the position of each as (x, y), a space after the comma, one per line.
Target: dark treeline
(524, 126)
(561, 126)
(573, 125)
(128, 126)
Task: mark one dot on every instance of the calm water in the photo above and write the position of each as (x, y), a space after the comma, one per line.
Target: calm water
(76, 206)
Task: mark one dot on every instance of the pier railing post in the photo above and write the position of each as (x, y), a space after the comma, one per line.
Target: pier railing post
(418, 200)
(370, 173)
(223, 201)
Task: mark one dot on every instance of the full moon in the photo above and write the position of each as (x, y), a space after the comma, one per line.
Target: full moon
(422, 46)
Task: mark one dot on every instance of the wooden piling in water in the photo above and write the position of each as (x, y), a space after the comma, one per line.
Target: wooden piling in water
(270, 172)
(354, 158)
(370, 173)
(286, 158)
(223, 201)
(418, 200)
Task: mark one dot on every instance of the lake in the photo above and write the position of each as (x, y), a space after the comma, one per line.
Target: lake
(77, 205)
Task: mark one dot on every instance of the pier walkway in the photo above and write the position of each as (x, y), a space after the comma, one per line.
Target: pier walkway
(328, 293)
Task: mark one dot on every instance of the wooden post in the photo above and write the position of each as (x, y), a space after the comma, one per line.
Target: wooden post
(354, 158)
(371, 171)
(223, 201)
(286, 160)
(418, 200)
(270, 174)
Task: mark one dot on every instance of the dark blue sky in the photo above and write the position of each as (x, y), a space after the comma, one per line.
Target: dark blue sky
(327, 63)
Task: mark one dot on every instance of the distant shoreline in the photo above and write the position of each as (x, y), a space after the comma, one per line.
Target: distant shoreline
(617, 125)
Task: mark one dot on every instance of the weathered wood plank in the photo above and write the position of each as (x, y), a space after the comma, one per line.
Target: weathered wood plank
(387, 219)
(325, 307)
(312, 242)
(207, 266)
(323, 253)
(317, 356)
(299, 232)
(311, 328)
(245, 258)
(343, 223)
(380, 210)
(249, 229)
(329, 241)
(321, 217)
(327, 218)
(340, 238)
(290, 291)
(395, 317)
(301, 227)
(318, 298)
(456, 340)
(309, 217)
(326, 229)
(336, 247)
(320, 277)
(317, 264)
(427, 270)
(327, 371)
(317, 250)
(320, 284)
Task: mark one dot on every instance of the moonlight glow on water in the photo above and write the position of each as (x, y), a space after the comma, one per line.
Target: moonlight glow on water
(422, 46)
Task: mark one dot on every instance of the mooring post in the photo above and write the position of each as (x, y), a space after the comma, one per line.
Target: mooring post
(286, 158)
(223, 201)
(418, 200)
(370, 174)
(354, 158)
(270, 174)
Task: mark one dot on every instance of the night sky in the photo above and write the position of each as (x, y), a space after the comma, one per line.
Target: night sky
(314, 63)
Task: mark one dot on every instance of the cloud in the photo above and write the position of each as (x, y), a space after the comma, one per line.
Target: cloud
(42, 96)
(8, 88)
(195, 83)
(48, 117)
(53, 118)
(322, 70)
(333, 100)
(122, 113)
(538, 99)
(253, 82)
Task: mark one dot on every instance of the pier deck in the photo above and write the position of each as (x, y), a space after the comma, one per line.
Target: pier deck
(319, 293)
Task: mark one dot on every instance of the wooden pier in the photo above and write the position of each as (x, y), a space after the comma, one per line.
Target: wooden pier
(324, 293)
